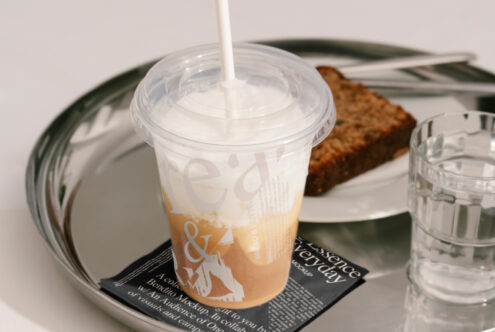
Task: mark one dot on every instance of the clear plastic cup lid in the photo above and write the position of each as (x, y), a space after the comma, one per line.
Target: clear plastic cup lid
(277, 98)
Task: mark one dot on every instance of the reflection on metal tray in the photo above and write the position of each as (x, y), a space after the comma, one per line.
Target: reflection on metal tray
(93, 191)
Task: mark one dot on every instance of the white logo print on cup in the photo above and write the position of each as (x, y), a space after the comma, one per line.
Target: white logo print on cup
(209, 172)
(211, 265)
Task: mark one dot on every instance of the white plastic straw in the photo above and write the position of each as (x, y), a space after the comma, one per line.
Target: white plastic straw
(227, 54)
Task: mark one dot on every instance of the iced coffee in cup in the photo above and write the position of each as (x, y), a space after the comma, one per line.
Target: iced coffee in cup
(233, 158)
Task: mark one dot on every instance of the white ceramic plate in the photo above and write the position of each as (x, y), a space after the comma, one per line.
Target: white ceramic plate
(380, 192)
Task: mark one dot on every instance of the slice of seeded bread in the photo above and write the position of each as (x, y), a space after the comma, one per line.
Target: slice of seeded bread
(369, 131)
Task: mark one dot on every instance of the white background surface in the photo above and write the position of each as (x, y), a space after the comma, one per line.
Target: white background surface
(51, 52)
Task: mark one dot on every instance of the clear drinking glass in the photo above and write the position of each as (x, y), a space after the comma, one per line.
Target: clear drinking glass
(452, 203)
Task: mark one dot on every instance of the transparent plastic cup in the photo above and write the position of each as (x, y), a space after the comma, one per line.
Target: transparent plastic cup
(233, 159)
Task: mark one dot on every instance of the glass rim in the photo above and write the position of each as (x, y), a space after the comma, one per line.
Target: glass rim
(413, 145)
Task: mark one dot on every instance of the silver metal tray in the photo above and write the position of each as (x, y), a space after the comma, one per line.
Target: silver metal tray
(93, 191)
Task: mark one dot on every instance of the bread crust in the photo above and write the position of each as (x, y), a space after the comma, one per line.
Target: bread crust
(369, 131)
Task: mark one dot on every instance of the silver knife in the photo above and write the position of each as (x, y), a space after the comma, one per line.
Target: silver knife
(432, 87)
(407, 62)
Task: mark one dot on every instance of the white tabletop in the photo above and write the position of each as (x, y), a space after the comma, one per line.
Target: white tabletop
(53, 51)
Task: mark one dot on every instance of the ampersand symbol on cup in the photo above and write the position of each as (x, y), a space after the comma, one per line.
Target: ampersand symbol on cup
(201, 251)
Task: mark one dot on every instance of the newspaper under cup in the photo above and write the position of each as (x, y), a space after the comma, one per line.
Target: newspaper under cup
(317, 280)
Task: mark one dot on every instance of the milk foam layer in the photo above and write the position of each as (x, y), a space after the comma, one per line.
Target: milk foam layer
(238, 114)
(233, 188)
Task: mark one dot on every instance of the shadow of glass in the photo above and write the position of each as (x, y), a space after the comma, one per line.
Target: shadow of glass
(426, 314)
